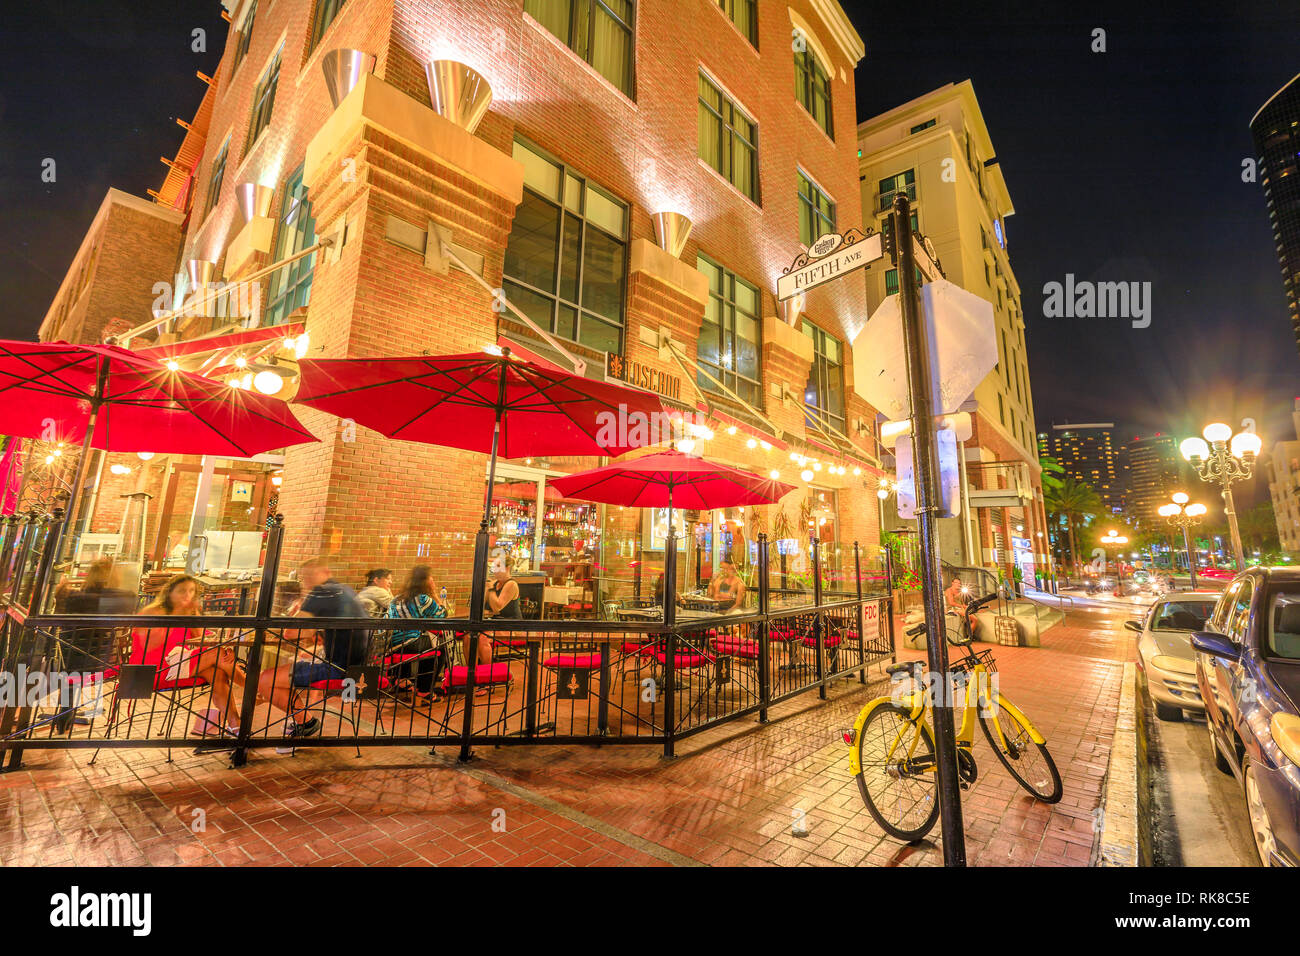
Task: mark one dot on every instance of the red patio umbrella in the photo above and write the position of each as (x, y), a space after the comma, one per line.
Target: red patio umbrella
(482, 402)
(112, 399)
(671, 479)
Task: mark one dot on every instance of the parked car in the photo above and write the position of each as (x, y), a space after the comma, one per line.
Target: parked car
(1165, 652)
(1248, 673)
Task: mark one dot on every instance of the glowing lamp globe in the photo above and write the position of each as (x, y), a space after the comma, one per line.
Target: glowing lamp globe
(1246, 444)
(1168, 511)
(1180, 497)
(1192, 448)
(1217, 431)
(1196, 511)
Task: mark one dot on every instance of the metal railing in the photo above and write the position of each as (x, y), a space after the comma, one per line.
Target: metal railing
(233, 682)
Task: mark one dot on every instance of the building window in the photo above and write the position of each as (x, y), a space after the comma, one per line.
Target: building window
(599, 31)
(816, 211)
(728, 139)
(904, 182)
(566, 261)
(744, 14)
(263, 101)
(291, 285)
(218, 174)
(245, 36)
(924, 126)
(812, 88)
(891, 280)
(729, 345)
(1002, 415)
(824, 394)
(322, 17)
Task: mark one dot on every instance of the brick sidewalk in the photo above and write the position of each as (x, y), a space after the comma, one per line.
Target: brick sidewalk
(730, 798)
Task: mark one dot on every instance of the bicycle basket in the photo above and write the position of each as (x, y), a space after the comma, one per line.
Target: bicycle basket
(984, 657)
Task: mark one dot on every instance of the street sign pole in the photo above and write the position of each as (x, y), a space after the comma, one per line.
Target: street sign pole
(927, 505)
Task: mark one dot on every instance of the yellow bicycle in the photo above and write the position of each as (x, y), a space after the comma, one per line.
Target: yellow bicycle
(893, 756)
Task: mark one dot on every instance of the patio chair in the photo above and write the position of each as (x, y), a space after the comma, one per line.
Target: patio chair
(361, 683)
(691, 659)
(584, 656)
(495, 677)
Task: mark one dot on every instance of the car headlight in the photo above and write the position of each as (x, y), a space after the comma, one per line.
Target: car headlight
(1285, 730)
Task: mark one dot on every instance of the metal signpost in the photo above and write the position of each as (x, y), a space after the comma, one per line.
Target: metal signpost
(831, 257)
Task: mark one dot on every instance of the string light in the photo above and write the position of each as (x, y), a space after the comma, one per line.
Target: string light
(751, 444)
(774, 474)
(806, 475)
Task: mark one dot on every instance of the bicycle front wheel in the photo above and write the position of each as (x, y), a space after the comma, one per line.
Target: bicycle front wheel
(1027, 761)
(897, 781)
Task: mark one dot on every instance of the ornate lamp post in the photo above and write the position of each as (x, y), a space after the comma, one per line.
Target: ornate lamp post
(1225, 459)
(1182, 515)
(1119, 540)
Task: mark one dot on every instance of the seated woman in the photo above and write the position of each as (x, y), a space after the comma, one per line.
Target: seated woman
(727, 588)
(954, 598)
(165, 648)
(419, 601)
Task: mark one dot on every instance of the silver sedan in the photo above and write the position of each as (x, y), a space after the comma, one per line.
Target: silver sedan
(1165, 652)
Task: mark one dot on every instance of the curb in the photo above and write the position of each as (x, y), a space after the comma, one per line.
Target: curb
(1117, 843)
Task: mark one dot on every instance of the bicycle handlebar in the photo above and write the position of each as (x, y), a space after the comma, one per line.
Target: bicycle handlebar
(972, 607)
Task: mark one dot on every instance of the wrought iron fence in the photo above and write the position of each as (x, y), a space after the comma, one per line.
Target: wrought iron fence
(644, 673)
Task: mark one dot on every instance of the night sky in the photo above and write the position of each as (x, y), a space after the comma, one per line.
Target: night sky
(1123, 166)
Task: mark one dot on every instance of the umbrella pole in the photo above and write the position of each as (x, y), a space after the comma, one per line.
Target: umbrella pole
(83, 463)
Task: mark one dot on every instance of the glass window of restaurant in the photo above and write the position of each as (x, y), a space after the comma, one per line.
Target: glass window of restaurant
(566, 261)
(291, 285)
(730, 344)
(824, 393)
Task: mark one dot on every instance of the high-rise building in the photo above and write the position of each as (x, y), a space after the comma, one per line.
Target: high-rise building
(1154, 474)
(631, 188)
(936, 150)
(1276, 131)
(1284, 486)
(1088, 453)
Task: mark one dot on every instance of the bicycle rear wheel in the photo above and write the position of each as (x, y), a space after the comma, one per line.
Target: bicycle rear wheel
(897, 781)
(1027, 761)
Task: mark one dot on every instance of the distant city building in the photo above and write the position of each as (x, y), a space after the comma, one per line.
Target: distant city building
(1284, 486)
(1276, 130)
(1088, 453)
(1153, 476)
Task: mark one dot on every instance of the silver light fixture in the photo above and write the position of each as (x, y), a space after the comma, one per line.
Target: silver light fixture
(344, 70)
(458, 93)
(672, 230)
(254, 200)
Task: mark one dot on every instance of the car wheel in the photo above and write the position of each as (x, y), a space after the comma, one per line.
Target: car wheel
(1265, 845)
(1169, 712)
(1220, 761)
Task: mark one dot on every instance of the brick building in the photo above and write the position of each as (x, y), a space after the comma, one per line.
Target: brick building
(602, 116)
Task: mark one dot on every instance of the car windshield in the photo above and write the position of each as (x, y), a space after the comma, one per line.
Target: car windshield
(1187, 614)
(1284, 622)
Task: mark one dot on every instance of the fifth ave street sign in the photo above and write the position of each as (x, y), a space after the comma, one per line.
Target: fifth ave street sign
(830, 257)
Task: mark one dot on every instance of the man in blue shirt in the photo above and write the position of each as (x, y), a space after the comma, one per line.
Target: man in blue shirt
(340, 648)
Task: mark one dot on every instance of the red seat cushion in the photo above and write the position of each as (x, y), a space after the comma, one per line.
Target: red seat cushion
(736, 646)
(338, 685)
(588, 661)
(510, 641)
(93, 676)
(831, 640)
(183, 684)
(644, 648)
(484, 674)
(784, 633)
(683, 659)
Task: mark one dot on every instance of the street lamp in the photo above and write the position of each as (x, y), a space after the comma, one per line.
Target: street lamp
(1119, 540)
(1227, 458)
(1182, 515)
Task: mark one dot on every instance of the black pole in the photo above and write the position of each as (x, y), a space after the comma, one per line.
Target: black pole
(764, 626)
(253, 666)
(862, 614)
(670, 637)
(74, 509)
(819, 627)
(925, 471)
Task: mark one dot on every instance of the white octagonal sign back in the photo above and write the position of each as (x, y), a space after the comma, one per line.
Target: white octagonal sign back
(963, 349)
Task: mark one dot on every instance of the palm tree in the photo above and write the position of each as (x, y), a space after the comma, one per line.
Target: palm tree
(1074, 501)
(1053, 473)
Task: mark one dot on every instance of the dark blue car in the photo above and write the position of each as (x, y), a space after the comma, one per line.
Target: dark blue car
(1248, 671)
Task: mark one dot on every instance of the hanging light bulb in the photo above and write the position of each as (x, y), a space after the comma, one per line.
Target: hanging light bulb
(241, 362)
(49, 459)
(144, 455)
(817, 466)
(268, 382)
(806, 475)
(774, 474)
(731, 429)
(751, 443)
(767, 446)
(119, 469)
(856, 470)
(173, 365)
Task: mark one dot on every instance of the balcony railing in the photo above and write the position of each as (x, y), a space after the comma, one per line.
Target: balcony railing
(887, 198)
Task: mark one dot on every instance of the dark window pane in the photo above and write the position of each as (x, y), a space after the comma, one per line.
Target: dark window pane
(602, 275)
(530, 254)
(567, 324)
(536, 307)
(599, 335)
(569, 259)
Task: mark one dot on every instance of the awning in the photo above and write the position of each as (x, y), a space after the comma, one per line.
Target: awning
(223, 342)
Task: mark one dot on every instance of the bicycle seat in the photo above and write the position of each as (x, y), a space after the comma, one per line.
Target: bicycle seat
(902, 667)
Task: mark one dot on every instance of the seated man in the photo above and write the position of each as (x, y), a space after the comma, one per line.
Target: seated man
(341, 647)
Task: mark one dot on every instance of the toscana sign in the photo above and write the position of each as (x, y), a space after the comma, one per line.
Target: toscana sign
(829, 257)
